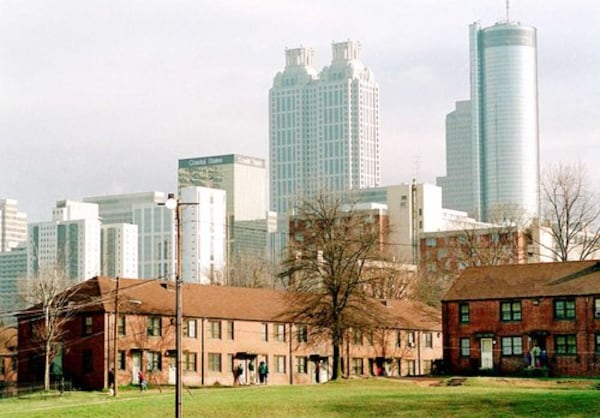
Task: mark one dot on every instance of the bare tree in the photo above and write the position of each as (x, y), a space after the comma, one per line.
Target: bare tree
(571, 212)
(49, 292)
(333, 247)
(390, 280)
(248, 270)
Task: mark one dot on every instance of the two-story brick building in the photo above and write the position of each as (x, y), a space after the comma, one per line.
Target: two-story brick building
(222, 327)
(8, 356)
(511, 317)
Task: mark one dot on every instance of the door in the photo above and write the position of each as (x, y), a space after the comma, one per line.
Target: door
(172, 370)
(487, 360)
(136, 364)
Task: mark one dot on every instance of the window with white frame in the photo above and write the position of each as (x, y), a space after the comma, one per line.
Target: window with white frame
(279, 364)
(215, 329)
(410, 338)
(230, 330)
(357, 366)
(190, 328)
(428, 337)
(154, 326)
(153, 361)
(264, 331)
(301, 364)
(512, 346)
(465, 347)
(411, 367)
(189, 362)
(87, 325)
(214, 362)
(302, 333)
(279, 331)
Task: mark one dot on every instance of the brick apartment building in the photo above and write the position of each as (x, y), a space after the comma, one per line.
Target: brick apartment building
(223, 327)
(512, 317)
(8, 356)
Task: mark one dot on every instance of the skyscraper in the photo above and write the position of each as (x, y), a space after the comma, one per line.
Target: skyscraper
(324, 129)
(71, 241)
(504, 143)
(13, 225)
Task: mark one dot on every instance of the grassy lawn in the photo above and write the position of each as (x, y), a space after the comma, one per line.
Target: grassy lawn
(484, 397)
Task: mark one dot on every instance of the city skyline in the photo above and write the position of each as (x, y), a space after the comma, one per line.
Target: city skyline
(104, 98)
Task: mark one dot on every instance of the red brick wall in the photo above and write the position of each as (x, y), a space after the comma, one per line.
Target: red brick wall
(537, 315)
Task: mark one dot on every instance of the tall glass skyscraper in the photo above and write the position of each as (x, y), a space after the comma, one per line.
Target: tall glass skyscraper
(324, 129)
(504, 123)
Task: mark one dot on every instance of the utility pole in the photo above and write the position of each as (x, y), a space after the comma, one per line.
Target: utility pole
(116, 341)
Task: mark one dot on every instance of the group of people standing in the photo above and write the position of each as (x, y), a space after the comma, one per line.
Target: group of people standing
(239, 377)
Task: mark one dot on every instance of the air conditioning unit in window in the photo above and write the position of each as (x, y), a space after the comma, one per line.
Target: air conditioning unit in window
(410, 344)
(597, 314)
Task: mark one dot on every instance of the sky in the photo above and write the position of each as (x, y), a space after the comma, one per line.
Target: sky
(104, 96)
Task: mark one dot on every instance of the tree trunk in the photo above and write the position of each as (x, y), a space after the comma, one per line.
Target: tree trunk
(47, 367)
(336, 337)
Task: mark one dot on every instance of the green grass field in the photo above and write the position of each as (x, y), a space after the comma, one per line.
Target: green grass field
(483, 397)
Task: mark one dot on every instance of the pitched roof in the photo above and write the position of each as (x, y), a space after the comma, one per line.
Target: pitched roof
(527, 280)
(154, 297)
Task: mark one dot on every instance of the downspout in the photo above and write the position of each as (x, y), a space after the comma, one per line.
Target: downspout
(291, 362)
(419, 351)
(202, 355)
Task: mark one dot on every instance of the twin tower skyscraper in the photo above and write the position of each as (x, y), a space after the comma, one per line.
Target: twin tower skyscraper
(324, 127)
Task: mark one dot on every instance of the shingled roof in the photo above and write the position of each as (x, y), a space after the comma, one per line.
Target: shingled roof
(155, 297)
(527, 280)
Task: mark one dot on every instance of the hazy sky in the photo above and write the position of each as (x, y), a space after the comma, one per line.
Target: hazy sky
(102, 97)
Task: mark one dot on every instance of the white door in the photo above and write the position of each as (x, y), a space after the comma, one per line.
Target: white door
(487, 360)
(172, 371)
(136, 363)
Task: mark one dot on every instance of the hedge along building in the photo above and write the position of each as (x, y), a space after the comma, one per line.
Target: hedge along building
(223, 327)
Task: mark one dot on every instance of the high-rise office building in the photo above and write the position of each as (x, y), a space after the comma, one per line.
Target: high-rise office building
(119, 250)
(13, 269)
(155, 228)
(71, 241)
(203, 235)
(249, 228)
(324, 128)
(13, 225)
(504, 143)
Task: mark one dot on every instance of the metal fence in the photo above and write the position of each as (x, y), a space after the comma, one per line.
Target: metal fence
(36, 391)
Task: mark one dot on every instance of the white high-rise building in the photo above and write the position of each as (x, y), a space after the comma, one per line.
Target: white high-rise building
(155, 227)
(324, 129)
(71, 241)
(120, 250)
(504, 145)
(203, 235)
(13, 225)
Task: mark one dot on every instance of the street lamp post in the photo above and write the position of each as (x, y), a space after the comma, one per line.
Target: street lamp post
(173, 203)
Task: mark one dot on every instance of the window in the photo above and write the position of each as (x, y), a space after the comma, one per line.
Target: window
(214, 362)
(122, 360)
(190, 328)
(565, 344)
(87, 325)
(357, 338)
(87, 364)
(564, 309)
(357, 366)
(398, 339)
(410, 338)
(230, 330)
(302, 333)
(510, 311)
(430, 242)
(301, 365)
(2, 366)
(465, 347)
(279, 331)
(264, 332)
(279, 364)
(154, 326)
(597, 308)
(428, 336)
(153, 361)
(597, 345)
(189, 362)
(215, 329)
(512, 346)
(121, 330)
(464, 313)
(411, 367)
